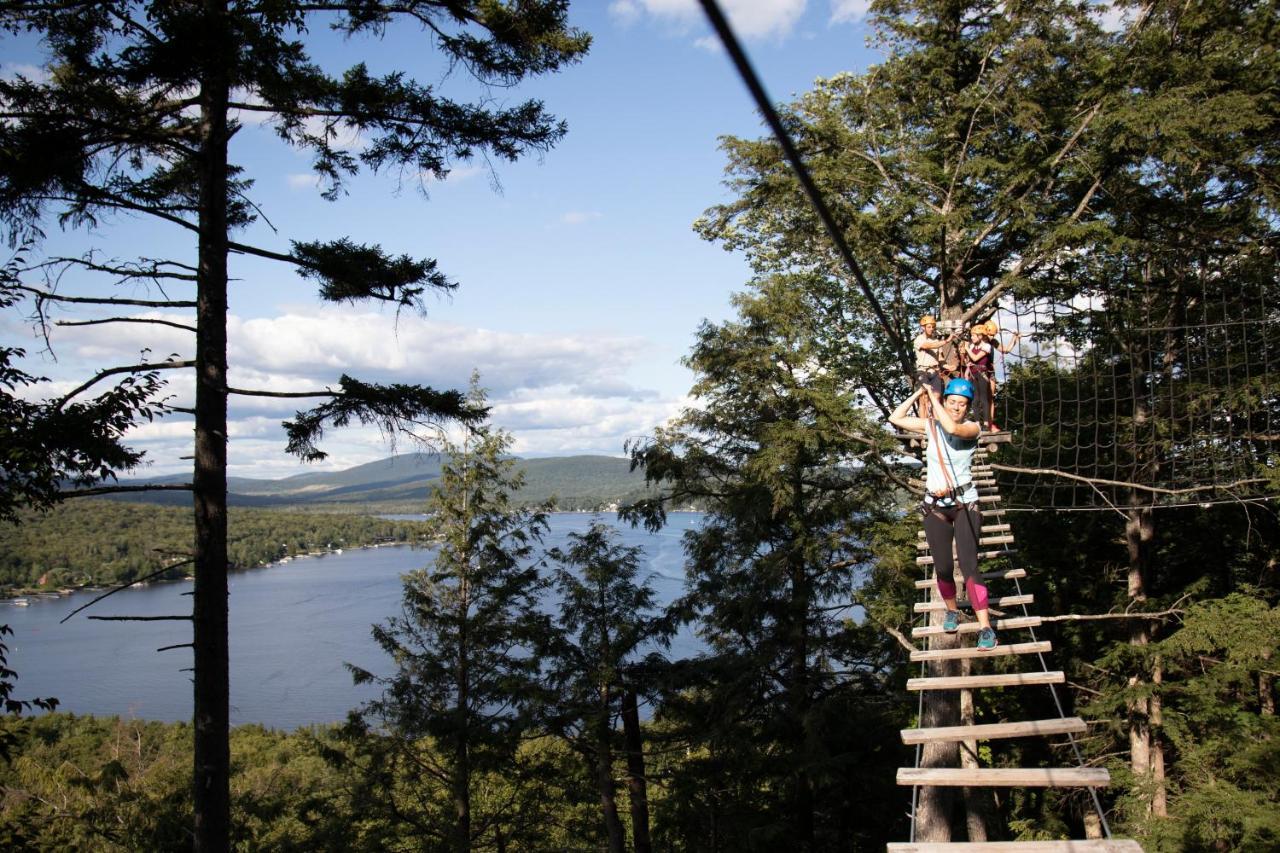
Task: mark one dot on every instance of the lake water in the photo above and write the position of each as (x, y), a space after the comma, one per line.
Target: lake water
(293, 626)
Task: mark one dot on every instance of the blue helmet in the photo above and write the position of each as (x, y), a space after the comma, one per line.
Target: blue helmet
(963, 387)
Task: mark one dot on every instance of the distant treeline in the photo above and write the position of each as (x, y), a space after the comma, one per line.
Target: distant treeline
(104, 542)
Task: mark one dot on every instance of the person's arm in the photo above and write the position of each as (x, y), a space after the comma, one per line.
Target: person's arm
(902, 420)
(967, 429)
(1008, 349)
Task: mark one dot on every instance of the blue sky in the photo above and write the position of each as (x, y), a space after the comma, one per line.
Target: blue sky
(581, 281)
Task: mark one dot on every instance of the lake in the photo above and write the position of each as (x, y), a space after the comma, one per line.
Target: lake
(293, 626)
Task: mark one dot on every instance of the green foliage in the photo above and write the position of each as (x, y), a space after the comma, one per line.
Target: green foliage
(770, 449)
(103, 542)
(464, 649)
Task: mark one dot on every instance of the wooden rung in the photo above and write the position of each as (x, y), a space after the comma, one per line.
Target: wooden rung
(1007, 575)
(1003, 679)
(1001, 437)
(982, 555)
(986, 528)
(974, 627)
(994, 731)
(1006, 777)
(1006, 601)
(983, 540)
(1001, 650)
(1114, 845)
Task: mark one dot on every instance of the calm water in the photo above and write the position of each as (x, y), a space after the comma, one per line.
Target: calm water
(292, 628)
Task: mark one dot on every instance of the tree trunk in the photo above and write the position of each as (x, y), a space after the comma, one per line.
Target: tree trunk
(1159, 796)
(1139, 530)
(637, 786)
(604, 777)
(979, 807)
(211, 715)
(941, 708)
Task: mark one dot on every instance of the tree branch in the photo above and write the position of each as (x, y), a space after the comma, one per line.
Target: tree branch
(125, 320)
(129, 368)
(85, 300)
(112, 490)
(114, 590)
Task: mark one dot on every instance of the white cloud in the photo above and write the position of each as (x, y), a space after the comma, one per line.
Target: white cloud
(849, 11)
(751, 19)
(13, 70)
(578, 217)
(710, 44)
(303, 181)
(557, 393)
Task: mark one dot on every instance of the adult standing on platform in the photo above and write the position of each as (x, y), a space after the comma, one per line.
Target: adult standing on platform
(929, 361)
(950, 505)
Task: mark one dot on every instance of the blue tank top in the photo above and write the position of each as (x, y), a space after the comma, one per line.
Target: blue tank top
(957, 456)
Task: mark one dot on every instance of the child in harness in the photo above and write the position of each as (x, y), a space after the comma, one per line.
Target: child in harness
(950, 506)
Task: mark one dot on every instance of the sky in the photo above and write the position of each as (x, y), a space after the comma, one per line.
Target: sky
(581, 281)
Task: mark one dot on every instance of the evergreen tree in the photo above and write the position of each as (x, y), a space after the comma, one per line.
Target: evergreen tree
(788, 710)
(605, 619)
(136, 117)
(456, 706)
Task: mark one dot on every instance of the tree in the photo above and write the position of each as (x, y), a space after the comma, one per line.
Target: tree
(772, 448)
(605, 619)
(136, 118)
(456, 706)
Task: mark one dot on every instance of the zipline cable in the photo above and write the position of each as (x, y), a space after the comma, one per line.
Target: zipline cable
(752, 81)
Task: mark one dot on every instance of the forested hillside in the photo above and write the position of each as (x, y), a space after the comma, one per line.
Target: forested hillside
(101, 542)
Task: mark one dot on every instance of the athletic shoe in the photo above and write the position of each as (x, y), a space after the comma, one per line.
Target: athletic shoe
(987, 640)
(951, 622)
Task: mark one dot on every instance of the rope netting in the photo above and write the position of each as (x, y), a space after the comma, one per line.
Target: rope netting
(1152, 394)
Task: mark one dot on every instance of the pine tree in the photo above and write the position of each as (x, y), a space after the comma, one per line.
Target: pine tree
(771, 449)
(457, 704)
(136, 117)
(605, 620)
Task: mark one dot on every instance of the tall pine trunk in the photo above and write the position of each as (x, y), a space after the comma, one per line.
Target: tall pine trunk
(604, 776)
(637, 786)
(211, 782)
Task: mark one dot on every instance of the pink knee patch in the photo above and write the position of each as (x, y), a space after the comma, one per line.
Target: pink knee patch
(977, 593)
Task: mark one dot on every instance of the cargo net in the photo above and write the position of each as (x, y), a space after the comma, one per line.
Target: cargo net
(1144, 397)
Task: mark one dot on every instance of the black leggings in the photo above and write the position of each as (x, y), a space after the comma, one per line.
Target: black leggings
(961, 524)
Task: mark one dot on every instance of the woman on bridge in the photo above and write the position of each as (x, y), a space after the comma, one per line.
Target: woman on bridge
(950, 505)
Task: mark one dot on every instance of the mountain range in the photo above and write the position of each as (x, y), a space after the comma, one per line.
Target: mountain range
(401, 483)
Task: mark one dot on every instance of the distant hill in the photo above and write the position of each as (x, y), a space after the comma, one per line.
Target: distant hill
(401, 484)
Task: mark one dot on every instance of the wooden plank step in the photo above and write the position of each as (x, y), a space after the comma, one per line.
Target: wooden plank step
(1008, 575)
(1001, 650)
(974, 627)
(1002, 679)
(995, 731)
(1005, 601)
(982, 540)
(1113, 845)
(1006, 777)
(986, 528)
(982, 555)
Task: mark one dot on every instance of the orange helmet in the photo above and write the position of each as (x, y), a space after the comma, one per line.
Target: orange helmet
(928, 320)
(991, 328)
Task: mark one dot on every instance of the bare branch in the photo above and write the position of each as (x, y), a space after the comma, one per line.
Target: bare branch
(246, 392)
(112, 490)
(125, 320)
(116, 589)
(141, 618)
(1050, 472)
(128, 368)
(85, 300)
